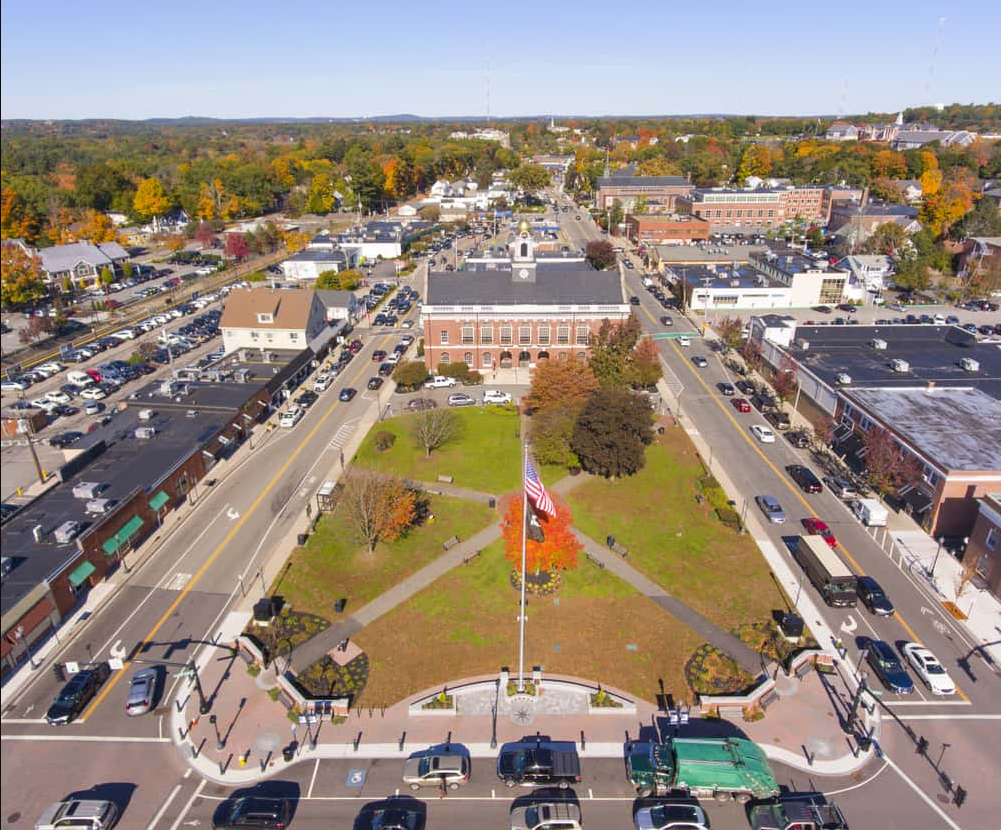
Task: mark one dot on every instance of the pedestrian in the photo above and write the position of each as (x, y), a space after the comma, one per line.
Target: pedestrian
(442, 788)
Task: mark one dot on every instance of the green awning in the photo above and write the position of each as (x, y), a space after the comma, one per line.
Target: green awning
(81, 572)
(126, 532)
(159, 500)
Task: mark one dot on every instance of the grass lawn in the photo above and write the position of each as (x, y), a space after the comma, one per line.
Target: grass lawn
(465, 625)
(677, 542)
(332, 565)
(486, 454)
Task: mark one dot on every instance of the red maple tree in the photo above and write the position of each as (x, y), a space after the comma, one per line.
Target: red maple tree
(557, 553)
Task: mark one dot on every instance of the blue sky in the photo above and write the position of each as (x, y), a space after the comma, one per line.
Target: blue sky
(111, 58)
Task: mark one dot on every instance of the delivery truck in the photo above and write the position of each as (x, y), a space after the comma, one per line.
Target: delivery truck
(828, 574)
(870, 512)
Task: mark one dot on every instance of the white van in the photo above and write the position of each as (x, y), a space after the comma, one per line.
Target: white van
(78, 378)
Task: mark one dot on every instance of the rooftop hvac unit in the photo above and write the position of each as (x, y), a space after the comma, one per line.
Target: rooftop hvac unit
(843, 379)
(803, 344)
(876, 343)
(87, 490)
(67, 532)
(145, 432)
(898, 365)
(146, 414)
(968, 364)
(98, 505)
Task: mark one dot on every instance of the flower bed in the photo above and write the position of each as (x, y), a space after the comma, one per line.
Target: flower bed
(512, 688)
(325, 678)
(603, 700)
(286, 632)
(440, 701)
(540, 584)
(710, 672)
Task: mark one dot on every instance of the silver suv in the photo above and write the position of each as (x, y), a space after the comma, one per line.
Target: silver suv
(557, 815)
(78, 815)
(431, 770)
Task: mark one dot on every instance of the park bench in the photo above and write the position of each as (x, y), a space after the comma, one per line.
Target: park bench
(467, 559)
(803, 669)
(594, 559)
(768, 699)
(445, 479)
(621, 550)
(731, 712)
(450, 543)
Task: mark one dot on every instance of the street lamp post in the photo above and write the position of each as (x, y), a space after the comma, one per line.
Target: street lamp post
(934, 563)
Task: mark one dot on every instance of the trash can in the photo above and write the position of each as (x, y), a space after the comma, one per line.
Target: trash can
(339, 605)
(302, 538)
(610, 541)
(792, 625)
(288, 753)
(491, 503)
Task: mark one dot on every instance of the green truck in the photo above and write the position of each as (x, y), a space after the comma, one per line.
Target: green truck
(720, 768)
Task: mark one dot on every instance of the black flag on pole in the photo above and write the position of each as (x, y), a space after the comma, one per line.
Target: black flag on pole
(532, 527)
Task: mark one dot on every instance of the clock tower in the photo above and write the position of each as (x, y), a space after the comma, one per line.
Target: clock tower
(523, 254)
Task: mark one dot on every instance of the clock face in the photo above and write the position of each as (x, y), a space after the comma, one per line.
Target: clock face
(523, 274)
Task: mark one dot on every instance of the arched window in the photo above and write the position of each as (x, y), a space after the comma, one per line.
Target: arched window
(467, 358)
(524, 250)
(444, 358)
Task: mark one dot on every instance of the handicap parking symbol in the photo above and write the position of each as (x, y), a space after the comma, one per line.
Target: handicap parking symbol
(356, 778)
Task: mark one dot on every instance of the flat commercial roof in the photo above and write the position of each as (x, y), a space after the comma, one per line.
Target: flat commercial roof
(739, 277)
(958, 429)
(932, 352)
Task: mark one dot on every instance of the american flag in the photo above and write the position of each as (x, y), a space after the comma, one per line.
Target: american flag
(536, 492)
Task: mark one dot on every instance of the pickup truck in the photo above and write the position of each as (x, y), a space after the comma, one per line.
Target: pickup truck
(797, 815)
(720, 768)
(538, 763)
(440, 382)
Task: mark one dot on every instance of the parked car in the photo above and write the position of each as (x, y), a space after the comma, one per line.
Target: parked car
(78, 814)
(497, 397)
(461, 399)
(805, 478)
(93, 393)
(322, 382)
(798, 438)
(290, 417)
(546, 815)
(378, 356)
(76, 694)
(841, 487)
(742, 404)
(440, 382)
(375, 383)
(538, 763)
(253, 812)
(420, 404)
(727, 390)
(769, 505)
(763, 434)
(142, 692)
(435, 769)
(929, 669)
(386, 369)
(888, 668)
(873, 597)
(668, 814)
(64, 439)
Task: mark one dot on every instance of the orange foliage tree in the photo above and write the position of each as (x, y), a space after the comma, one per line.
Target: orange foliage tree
(557, 553)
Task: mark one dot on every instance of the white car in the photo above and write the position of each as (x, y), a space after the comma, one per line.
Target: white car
(671, 814)
(763, 434)
(684, 342)
(58, 396)
(93, 393)
(496, 396)
(290, 417)
(393, 358)
(929, 669)
(441, 382)
(51, 368)
(44, 403)
(407, 324)
(322, 383)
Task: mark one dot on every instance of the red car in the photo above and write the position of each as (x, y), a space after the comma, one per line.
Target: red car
(815, 527)
(742, 404)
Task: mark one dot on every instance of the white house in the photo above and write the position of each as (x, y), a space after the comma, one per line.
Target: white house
(340, 305)
(310, 263)
(268, 318)
(871, 270)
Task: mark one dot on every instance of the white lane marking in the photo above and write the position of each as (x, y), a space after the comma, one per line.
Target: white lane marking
(23, 720)
(849, 624)
(860, 784)
(922, 795)
(117, 650)
(152, 591)
(177, 582)
(948, 717)
(68, 737)
(312, 780)
(232, 514)
(931, 703)
(184, 812)
(165, 805)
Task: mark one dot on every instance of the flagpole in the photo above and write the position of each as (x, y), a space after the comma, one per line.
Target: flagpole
(524, 543)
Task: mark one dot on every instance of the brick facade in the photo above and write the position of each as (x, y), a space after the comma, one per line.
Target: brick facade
(664, 228)
(985, 542)
(742, 210)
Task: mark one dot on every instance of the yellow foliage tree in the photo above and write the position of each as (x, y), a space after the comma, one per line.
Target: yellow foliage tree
(295, 240)
(151, 200)
(931, 181)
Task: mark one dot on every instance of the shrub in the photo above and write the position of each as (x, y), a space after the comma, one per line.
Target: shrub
(384, 440)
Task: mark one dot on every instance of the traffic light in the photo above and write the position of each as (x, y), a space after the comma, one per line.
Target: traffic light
(959, 797)
(922, 748)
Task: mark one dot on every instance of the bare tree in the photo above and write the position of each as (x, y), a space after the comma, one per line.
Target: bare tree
(434, 427)
(378, 507)
(967, 572)
(887, 466)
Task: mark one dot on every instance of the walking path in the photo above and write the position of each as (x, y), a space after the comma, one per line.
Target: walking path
(326, 641)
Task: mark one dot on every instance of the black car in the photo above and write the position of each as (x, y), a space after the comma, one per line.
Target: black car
(64, 439)
(253, 811)
(307, 399)
(347, 394)
(888, 667)
(375, 383)
(747, 387)
(386, 369)
(76, 694)
(873, 597)
(726, 389)
(634, 300)
(798, 439)
(805, 478)
(538, 763)
(395, 818)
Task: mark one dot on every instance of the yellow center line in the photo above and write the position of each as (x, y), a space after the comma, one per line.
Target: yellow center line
(809, 508)
(222, 546)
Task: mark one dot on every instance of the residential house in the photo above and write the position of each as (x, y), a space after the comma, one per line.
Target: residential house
(81, 262)
(976, 253)
(268, 318)
(842, 131)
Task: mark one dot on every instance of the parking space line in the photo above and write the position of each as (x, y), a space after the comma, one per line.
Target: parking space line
(164, 806)
(194, 795)
(312, 780)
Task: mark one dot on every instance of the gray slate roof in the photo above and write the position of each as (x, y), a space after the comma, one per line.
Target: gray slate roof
(66, 257)
(571, 284)
(336, 299)
(642, 181)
